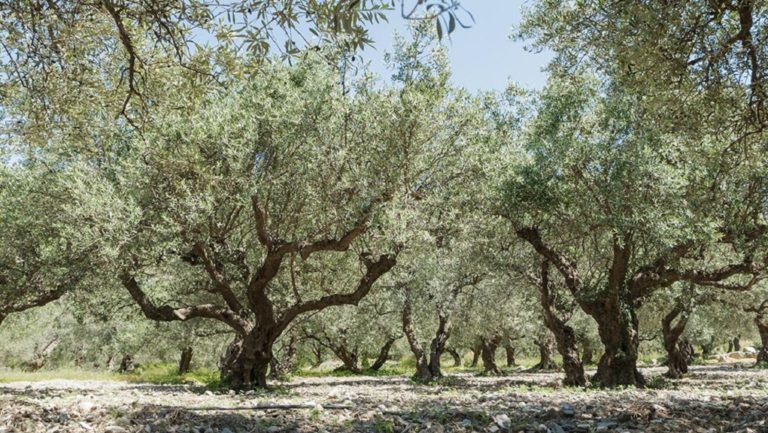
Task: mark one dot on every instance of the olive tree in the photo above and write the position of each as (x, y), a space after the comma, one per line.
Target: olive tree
(637, 206)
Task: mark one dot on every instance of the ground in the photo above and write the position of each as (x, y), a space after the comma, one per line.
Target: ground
(713, 398)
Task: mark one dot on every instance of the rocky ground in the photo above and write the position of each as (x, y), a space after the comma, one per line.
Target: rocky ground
(716, 398)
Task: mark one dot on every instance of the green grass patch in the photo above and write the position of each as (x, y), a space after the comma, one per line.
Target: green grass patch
(390, 370)
(168, 374)
(47, 375)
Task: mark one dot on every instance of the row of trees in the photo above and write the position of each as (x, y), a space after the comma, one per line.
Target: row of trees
(226, 187)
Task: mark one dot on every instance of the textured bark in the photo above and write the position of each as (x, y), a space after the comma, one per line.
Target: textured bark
(737, 343)
(423, 371)
(185, 360)
(317, 352)
(488, 352)
(546, 350)
(246, 362)
(509, 350)
(677, 362)
(383, 354)
(588, 353)
(762, 326)
(126, 364)
(349, 358)
(455, 355)
(41, 356)
(618, 364)
(282, 363)
(565, 336)
(476, 351)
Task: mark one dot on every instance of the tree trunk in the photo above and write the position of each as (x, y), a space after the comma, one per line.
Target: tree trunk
(737, 343)
(455, 355)
(730, 345)
(476, 350)
(126, 364)
(281, 365)
(423, 372)
(185, 360)
(762, 327)
(383, 354)
(488, 352)
(246, 362)
(565, 337)
(617, 326)
(350, 359)
(677, 362)
(546, 348)
(509, 349)
(317, 351)
(588, 353)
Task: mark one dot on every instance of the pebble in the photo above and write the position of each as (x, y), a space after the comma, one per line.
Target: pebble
(567, 410)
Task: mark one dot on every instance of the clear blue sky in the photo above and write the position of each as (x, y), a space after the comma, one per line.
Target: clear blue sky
(483, 57)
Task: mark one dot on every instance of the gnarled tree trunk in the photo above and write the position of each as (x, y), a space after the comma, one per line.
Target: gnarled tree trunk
(476, 351)
(185, 360)
(383, 354)
(455, 355)
(565, 336)
(282, 363)
(588, 352)
(424, 364)
(617, 327)
(509, 350)
(762, 326)
(489, 346)
(546, 350)
(246, 362)
(677, 362)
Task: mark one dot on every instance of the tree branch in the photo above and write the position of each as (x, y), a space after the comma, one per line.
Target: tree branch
(374, 270)
(166, 313)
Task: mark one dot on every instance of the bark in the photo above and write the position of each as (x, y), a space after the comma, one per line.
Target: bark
(546, 350)
(677, 362)
(730, 345)
(282, 364)
(349, 358)
(455, 355)
(565, 336)
(488, 352)
(41, 356)
(509, 349)
(246, 362)
(588, 353)
(423, 372)
(126, 364)
(476, 350)
(317, 352)
(737, 343)
(186, 360)
(762, 326)
(383, 354)
(618, 364)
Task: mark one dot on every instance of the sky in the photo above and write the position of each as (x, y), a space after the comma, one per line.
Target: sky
(483, 57)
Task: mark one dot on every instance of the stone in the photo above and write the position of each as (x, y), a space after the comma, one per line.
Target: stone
(502, 420)
(567, 410)
(605, 425)
(434, 428)
(115, 429)
(555, 428)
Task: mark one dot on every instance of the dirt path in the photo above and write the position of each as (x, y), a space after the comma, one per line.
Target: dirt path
(711, 399)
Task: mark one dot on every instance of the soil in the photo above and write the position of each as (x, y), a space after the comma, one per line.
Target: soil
(714, 398)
